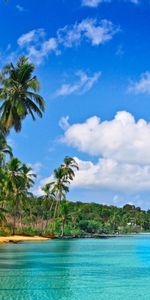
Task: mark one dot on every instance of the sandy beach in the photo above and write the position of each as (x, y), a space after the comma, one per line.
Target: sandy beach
(20, 238)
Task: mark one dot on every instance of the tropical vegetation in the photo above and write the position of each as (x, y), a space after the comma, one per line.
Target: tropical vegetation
(50, 214)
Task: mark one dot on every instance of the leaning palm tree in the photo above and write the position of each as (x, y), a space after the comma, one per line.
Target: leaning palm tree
(19, 94)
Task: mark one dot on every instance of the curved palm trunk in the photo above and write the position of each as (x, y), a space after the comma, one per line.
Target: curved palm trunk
(14, 225)
(57, 204)
(56, 209)
(46, 225)
(62, 227)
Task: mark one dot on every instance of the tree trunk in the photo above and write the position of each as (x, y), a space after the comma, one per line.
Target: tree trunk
(15, 214)
(56, 208)
(14, 224)
(62, 228)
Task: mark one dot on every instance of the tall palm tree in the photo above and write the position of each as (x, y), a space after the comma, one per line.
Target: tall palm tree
(49, 199)
(65, 216)
(18, 182)
(60, 187)
(68, 166)
(19, 94)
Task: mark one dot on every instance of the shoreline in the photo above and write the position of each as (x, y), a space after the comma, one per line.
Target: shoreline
(20, 238)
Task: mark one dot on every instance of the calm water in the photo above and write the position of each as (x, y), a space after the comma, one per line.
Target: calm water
(86, 269)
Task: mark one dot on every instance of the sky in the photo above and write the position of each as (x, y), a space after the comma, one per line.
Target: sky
(92, 58)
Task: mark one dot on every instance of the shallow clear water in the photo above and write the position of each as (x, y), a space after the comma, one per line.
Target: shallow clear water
(81, 269)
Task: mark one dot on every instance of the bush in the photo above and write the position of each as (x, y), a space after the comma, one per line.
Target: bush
(5, 231)
(28, 231)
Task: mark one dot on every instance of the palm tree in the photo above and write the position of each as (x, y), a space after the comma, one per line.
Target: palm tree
(60, 187)
(68, 167)
(18, 182)
(49, 199)
(4, 147)
(28, 177)
(65, 216)
(4, 150)
(19, 94)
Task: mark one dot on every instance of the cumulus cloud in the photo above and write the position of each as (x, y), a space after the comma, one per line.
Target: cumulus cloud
(122, 138)
(122, 147)
(79, 87)
(142, 85)
(37, 46)
(107, 174)
(113, 175)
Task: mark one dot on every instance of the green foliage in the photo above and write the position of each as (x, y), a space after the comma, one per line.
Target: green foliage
(28, 231)
(51, 214)
(19, 94)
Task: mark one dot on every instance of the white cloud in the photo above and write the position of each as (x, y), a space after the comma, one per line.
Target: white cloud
(46, 48)
(81, 86)
(36, 167)
(92, 30)
(142, 85)
(112, 175)
(37, 189)
(122, 146)
(37, 46)
(96, 3)
(93, 3)
(64, 123)
(122, 138)
(20, 8)
(107, 174)
(32, 36)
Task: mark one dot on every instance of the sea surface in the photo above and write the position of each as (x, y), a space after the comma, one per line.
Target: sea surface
(79, 269)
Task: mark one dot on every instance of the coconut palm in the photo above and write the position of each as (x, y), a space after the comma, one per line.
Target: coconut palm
(60, 187)
(28, 177)
(68, 166)
(49, 199)
(19, 94)
(19, 180)
(65, 216)
(3, 211)
(4, 147)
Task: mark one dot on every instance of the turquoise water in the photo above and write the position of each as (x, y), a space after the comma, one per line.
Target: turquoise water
(80, 269)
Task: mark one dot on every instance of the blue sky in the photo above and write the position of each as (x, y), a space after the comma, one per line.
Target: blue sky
(92, 59)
